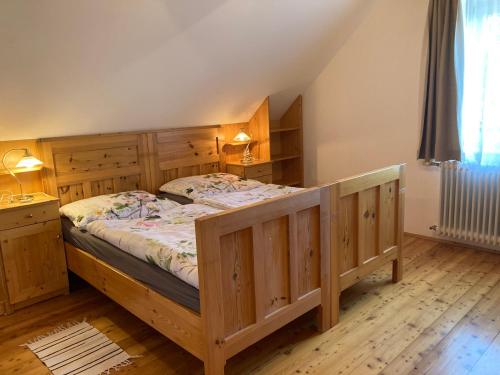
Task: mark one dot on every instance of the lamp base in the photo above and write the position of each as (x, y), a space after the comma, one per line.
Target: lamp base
(23, 198)
(247, 157)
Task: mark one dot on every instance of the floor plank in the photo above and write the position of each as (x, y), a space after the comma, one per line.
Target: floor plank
(443, 318)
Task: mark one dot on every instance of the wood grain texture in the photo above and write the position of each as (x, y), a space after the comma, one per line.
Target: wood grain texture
(182, 152)
(287, 146)
(258, 126)
(384, 327)
(238, 281)
(85, 166)
(32, 261)
(367, 225)
(247, 259)
(181, 325)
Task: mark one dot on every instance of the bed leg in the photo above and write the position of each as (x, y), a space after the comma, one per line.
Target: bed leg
(397, 270)
(323, 320)
(214, 366)
(335, 309)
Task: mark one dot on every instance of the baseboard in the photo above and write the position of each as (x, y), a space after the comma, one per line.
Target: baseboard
(464, 244)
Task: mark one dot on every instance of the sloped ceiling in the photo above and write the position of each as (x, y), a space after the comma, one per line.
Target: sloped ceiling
(87, 66)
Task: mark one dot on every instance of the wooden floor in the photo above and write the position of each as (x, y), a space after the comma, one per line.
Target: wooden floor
(443, 318)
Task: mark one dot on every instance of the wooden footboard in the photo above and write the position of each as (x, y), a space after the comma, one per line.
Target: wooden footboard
(261, 267)
(367, 227)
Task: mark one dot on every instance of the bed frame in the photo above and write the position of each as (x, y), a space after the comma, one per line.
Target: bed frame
(367, 227)
(261, 266)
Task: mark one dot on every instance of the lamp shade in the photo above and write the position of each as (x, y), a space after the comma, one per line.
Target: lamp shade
(242, 137)
(28, 161)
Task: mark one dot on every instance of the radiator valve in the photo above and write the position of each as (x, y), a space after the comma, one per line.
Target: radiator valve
(434, 228)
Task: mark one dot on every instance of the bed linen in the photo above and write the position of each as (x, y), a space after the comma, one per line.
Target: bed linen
(214, 183)
(154, 277)
(243, 198)
(166, 239)
(124, 205)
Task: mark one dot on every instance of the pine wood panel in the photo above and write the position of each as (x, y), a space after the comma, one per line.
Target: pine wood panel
(347, 217)
(384, 328)
(34, 261)
(388, 211)
(182, 152)
(238, 280)
(248, 259)
(367, 226)
(287, 144)
(275, 267)
(174, 321)
(258, 127)
(95, 160)
(85, 166)
(368, 222)
(309, 250)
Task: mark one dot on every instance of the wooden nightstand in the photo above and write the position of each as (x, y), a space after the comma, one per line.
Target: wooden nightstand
(259, 170)
(32, 261)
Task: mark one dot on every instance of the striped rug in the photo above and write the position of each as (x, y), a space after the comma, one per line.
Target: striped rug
(78, 349)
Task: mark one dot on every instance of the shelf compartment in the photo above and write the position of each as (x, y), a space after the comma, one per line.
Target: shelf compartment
(281, 130)
(277, 158)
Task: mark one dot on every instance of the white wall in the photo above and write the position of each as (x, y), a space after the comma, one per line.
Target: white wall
(364, 110)
(88, 66)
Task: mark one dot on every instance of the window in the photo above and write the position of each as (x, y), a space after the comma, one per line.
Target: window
(478, 73)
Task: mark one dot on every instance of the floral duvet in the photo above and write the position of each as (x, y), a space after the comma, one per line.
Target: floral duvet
(167, 239)
(243, 198)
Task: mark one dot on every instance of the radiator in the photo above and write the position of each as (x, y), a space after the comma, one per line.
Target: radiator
(470, 204)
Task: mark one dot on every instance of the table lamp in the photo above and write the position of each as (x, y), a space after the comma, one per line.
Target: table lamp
(27, 161)
(245, 138)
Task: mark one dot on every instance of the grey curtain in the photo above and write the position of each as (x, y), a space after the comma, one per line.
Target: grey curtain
(440, 139)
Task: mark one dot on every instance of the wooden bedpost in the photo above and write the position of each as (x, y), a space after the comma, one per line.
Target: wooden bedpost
(335, 252)
(210, 282)
(397, 264)
(324, 320)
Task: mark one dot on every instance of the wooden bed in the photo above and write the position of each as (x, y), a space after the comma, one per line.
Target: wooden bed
(261, 266)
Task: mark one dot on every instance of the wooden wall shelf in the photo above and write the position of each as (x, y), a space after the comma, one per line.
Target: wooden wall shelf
(280, 130)
(287, 148)
(277, 158)
(21, 170)
(278, 142)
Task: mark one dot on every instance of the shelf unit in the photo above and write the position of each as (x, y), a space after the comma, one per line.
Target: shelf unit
(286, 147)
(277, 141)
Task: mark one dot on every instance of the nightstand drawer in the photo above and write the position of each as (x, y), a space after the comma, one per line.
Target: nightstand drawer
(259, 170)
(29, 215)
(265, 179)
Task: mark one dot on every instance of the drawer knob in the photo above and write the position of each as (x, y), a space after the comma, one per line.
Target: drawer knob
(58, 236)
(29, 216)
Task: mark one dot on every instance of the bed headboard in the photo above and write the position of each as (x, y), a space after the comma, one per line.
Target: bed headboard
(85, 166)
(183, 152)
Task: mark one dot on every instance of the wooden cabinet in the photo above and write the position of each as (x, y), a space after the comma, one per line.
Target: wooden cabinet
(259, 170)
(32, 261)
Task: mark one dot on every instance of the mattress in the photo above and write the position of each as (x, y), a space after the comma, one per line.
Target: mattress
(151, 275)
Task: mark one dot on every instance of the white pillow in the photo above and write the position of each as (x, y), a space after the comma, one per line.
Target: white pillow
(209, 184)
(125, 205)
